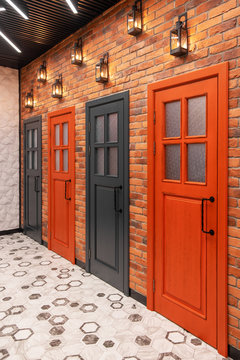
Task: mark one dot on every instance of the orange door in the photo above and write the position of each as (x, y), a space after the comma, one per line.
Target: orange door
(186, 206)
(62, 183)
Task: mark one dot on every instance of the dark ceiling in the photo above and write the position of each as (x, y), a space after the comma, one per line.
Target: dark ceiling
(50, 21)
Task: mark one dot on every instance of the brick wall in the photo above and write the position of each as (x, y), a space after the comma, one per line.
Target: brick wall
(214, 37)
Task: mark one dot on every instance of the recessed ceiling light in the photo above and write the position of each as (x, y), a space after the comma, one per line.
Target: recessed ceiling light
(72, 6)
(2, 8)
(10, 42)
(15, 7)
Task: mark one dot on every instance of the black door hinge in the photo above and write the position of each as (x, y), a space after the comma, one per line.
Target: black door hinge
(89, 150)
(89, 254)
(154, 148)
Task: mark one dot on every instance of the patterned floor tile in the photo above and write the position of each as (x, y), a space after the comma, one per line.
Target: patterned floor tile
(53, 310)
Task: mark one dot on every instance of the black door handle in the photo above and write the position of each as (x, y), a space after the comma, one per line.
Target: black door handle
(210, 232)
(36, 184)
(67, 181)
(116, 188)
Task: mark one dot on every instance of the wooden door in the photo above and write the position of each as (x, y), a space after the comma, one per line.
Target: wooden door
(62, 183)
(107, 193)
(33, 178)
(186, 206)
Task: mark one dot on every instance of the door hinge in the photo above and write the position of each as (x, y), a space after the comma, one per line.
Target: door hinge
(154, 148)
(89, 254)
(89, 150)
(153, 285)
(154, 117)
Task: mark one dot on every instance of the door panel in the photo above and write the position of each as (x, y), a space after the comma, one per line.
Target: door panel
(107, 189)
(32, 179)
(62, 183)
(186, 172)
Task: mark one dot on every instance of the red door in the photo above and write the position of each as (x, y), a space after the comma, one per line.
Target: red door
(62, 183)
(186, 206)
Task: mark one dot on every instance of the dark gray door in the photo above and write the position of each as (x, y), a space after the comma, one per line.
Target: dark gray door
(107, 189)
(33, 179)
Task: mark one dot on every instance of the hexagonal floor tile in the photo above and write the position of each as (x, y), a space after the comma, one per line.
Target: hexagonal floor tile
(88, 308)
(38, 283)
(114, 297)
(89, 327)
(116, 305)
(3, 314)
(64, 276)
(55, 343)
(176, 337)
(57, 330)
(19, 273)
(168, 356)
(8, 330)
(3, 354)
(2, 288)
(108, 343)
(75, 283)
(58, 320)
(143, 340)
(62, 287)
(135, 317)
(22, 334)
(44, 316)
(60, 302)
(16, 310)
(73, 357)
(90, 339)
(34, 296)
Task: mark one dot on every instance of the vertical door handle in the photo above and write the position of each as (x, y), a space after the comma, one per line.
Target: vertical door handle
(36, 189)
(210, 232)
(116, 189)
(67, 181)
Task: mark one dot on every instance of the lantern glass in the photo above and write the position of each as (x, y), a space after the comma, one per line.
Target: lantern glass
(76, 55)
(57, 89)
(134, 21)
(174, 40)
(42, 74)
(29, 101)
(184, 45)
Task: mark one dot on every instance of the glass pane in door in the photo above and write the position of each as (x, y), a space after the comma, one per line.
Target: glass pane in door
(35, 162)
(99, 161)
(57, 135)
(65, 160)
(29, 138)
(113, 127)
(35, 137)
(65, 134)
(99, 133)
(196, 162)
(172, 162)
(57, 160)
(113, 161)
(197, 116)
(29, 160)
(173, 119)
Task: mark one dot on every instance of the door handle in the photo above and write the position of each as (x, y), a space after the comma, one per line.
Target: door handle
(116, 188)
(36, 184)
(211, 199)
(67, 181)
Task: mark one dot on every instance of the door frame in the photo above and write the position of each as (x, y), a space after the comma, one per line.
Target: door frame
(221, 72)
(102, 101)
(60, 112)
(26, 122)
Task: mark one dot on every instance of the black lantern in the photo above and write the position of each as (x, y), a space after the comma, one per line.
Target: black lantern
(57, 90)
(29, 100)
(134, 19)
(179, 37)
(76, 53)
(42, 73)
(101, 70)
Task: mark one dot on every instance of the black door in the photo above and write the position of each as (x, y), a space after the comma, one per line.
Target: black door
(107, 189)
(33, 178)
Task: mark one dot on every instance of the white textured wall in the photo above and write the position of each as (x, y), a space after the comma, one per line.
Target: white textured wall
(9, 149)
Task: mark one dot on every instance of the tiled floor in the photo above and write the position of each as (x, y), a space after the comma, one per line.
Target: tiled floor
(51, 309)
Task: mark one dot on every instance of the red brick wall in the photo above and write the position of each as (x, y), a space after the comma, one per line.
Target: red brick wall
(214, 37)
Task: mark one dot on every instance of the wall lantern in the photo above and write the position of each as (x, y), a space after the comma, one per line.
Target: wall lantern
(134, 19)
(57, 89)
(179, 37)
(101, 70)
(42, 73)
(76, 53)
(29, 100)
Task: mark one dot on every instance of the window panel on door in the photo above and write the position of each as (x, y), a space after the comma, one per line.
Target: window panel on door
(196, 162)
(173, 119)
(197, 116)
(99, 161)
(65, 134)
(57, 160)
(65, 160)
(29, 160)
(57, 135)
(35, 160)
(99, 133)
(35, 138)
(172, 162)
(113, 127)
(113, 161)
(29, 138)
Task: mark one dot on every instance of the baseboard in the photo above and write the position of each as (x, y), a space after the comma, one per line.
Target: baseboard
(139, 297)
(233, 352)
(80, 263)
(44, 243)
(12, 231)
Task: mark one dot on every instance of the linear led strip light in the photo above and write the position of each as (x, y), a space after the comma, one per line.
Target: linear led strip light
(2, 8)
(15, 7)
(9, 42)
(73, 6)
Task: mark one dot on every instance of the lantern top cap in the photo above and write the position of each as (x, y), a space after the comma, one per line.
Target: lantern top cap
(180, 23)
